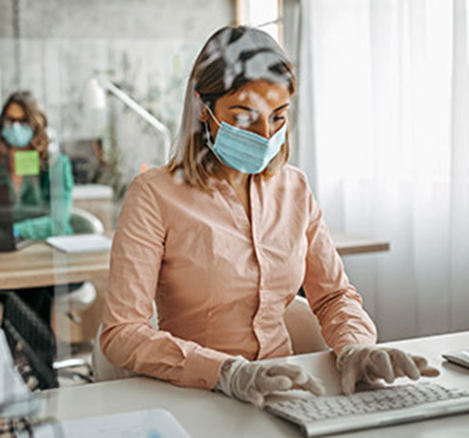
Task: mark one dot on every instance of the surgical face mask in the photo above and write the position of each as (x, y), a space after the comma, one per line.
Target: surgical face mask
(243, 150)
(17, 134)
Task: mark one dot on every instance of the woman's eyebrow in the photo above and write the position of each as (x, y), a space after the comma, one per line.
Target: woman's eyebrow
(246, 108)
(281, 107)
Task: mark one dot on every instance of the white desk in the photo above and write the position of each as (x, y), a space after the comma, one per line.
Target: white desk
(209, 414)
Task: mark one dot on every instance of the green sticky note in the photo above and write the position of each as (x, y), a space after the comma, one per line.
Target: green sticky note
(26, 163)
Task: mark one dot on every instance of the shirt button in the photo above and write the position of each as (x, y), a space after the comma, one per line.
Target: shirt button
(202, 382)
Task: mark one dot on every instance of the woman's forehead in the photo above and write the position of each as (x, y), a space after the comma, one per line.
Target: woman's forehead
(15, 110)
(259, 95)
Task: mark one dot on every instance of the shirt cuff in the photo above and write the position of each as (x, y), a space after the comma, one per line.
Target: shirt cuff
(202, 367)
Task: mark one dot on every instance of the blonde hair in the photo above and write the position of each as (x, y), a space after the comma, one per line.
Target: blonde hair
(220, 69)
(36, 119)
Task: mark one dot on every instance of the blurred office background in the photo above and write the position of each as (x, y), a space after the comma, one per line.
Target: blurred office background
(380, 123)
(146, 47)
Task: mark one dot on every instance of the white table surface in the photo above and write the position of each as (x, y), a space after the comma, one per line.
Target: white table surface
(209, 414)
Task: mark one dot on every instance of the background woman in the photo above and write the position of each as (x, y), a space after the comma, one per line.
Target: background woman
(223, 238)
(40, 181)
(41, 195)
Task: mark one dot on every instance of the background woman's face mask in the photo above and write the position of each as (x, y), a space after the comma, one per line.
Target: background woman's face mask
(243, 150)
(18, 135)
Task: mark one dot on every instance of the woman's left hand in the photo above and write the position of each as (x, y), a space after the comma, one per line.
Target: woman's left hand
(370, 364)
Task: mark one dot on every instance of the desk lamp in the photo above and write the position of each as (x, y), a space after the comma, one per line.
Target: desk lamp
(95, 98)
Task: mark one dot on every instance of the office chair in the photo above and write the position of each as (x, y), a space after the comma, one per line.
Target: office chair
(80, 298)
(31, 342)
(103, 369)
(84, 222)
(302, 325)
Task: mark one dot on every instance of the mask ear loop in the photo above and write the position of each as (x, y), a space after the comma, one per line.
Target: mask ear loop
(208, 135)
(213, 115)
(208, 140)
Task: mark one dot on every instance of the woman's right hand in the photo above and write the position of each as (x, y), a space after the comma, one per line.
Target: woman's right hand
(253, 381)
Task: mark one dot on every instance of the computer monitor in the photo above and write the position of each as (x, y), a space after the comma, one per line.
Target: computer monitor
(8, 240)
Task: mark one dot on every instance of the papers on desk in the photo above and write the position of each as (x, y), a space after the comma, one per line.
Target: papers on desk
(153, 423)
(80, 243)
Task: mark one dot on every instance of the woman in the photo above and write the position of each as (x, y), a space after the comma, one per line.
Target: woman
(40, 181)
(41, 194)
(223, 237)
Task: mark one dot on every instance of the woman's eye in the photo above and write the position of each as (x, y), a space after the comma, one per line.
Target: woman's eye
(243, 120)
(278, 118)
(10, 121)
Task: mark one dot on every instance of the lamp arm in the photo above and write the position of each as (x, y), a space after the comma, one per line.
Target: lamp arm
(142, 112)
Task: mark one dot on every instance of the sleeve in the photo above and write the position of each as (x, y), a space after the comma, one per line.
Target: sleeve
(127, 339)
(57, 223)
(332, 298)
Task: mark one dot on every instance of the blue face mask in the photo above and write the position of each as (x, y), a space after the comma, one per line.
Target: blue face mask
(18, 135)
(243, 150)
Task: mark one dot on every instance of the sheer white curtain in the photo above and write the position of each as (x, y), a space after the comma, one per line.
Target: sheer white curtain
(390, 144)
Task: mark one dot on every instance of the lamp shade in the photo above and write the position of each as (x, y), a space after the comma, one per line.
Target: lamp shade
(94, 96)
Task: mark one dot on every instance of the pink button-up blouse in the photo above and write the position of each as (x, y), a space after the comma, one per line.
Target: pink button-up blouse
(221, 282)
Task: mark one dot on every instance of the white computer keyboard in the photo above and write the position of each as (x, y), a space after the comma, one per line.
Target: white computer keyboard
(372, 408)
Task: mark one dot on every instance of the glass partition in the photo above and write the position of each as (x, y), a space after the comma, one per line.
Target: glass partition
(95, 92)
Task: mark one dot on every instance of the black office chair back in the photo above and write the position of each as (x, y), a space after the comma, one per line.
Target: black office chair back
(31, 342)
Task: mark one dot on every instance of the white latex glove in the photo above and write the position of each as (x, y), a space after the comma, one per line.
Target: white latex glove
(370, 364)
(254, 381)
